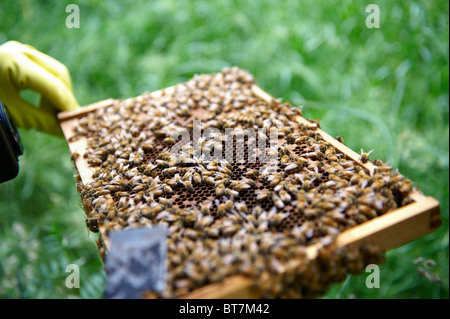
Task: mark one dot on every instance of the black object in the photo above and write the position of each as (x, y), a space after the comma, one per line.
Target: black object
(10, 146)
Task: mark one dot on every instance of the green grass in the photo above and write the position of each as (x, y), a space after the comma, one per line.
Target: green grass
(384, 89)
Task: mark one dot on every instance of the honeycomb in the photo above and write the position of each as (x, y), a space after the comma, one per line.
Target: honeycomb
(265, 213)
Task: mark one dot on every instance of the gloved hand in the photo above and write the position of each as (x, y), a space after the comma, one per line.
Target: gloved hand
(23, 67)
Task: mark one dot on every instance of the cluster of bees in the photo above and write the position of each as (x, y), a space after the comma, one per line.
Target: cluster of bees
(232, 216)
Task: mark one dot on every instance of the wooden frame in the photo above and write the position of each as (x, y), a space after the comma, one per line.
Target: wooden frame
(388, 231)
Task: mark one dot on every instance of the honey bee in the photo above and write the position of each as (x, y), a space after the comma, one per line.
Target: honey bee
(225, 170)
(162, 163)
(223, 179)
(262, 227)
(241, 186)
(205, 208)
(330, 184)
(360, 218)
(213, 232)
(213, 166)
(284, 196)
(191, 233)
(165, 202)
(197, 178)
(284, 151)
(230, 230)
(278, 218)
(229, 205)
(209, 180)
(241, 207)
(122, 202)
(92, 224)
(220, 190)
(74, 156)
(156, 192)
(320, 155)
(291, 168)
(275, 179)
(284, 159)
(171, 218)
(183, 110)
(407, 200)
(377, 162)
(291, 188)
(94, 161)
(187, 160)
(221, 209)
(167, 189)
(225, 163)
(248, 228)
(342, 183)
(138, 197)
(264, 195)
(310, 212)
(204, 222)
(301, 140)
(139, 188)
(315, 124)
(405, 187)
(377, 184)
(147, 146)
(248, 181)
(188, 186)
(364, 158)
(169, 171)
(383, 169)
(163, 215)
(172, 182)
(250, 218)
(277, 201)
(307, 184)
(125, 155)
(367, 211)
(231, 192)
(331, 157)
(136, 159)
(253, 173)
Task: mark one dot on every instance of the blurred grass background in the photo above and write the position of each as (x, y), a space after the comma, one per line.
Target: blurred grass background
(384, 89)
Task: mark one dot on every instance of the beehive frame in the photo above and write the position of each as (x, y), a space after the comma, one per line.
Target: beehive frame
(387, 231)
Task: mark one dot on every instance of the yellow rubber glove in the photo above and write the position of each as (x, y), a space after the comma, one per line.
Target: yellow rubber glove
(24, 67)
